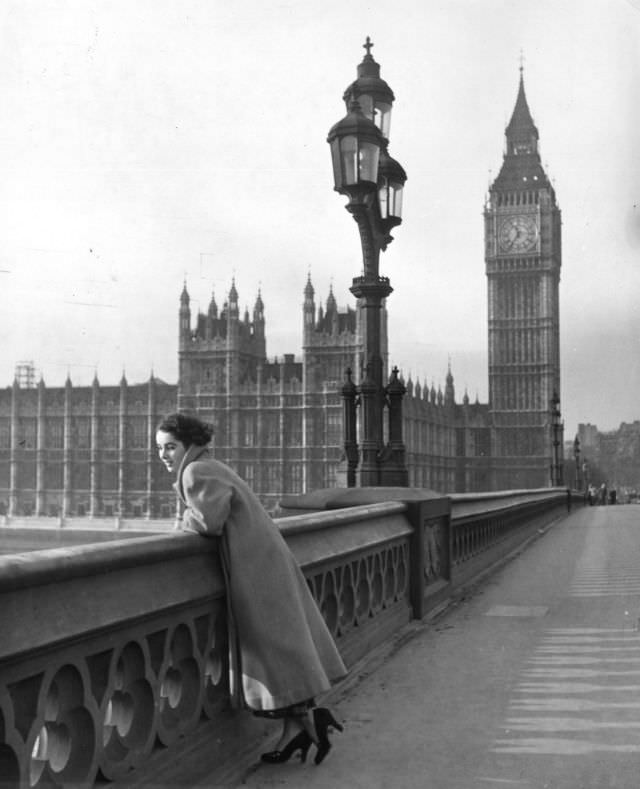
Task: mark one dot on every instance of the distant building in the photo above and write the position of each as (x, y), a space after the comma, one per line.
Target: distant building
(84, 451)
(91, 450)
(612, 456)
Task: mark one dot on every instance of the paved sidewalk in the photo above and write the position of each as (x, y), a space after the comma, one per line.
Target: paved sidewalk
(527, 681)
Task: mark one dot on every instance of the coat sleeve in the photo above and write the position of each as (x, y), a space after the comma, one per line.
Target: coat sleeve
(208, 500)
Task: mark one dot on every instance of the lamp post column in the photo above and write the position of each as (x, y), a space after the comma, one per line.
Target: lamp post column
(373, 181)
(554, 408)
(350, 401)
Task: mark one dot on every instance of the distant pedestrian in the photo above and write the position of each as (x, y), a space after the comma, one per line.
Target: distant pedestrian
(603, 493)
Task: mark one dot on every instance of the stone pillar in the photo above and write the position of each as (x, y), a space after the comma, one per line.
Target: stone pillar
(349, 394)
(122, 453)
(66, 453)
(151, 445)
(94, 456)
(393, 468)
(13, 453)
(41, 503)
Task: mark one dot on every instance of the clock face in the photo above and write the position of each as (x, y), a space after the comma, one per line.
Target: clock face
(518, 234)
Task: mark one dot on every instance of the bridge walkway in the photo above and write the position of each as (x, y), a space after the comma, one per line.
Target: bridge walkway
(529, 680)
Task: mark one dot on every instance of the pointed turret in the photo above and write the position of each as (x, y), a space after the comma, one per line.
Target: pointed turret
(521, 167)
(185, 315)
(309, 291)
(233, 300)
(332, 311)
(213, 307)
(258, 309)
(449, 390)
(308, 311)
(521, 132)
(331, 301)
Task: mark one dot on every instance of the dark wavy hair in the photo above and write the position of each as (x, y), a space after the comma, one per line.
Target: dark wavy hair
(187, 429)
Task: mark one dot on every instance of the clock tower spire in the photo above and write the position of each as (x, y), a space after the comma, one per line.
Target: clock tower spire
(523, 259)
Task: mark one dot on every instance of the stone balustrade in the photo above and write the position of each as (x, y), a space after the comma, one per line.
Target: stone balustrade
(114, 651)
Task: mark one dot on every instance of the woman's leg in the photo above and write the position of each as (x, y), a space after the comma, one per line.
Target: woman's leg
(291, 726)
(305, 721)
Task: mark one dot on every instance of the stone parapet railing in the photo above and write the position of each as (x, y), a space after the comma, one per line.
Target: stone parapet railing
(114, 653)
(485, 527)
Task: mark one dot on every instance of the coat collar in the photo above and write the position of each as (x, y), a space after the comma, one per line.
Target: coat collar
(193, 453)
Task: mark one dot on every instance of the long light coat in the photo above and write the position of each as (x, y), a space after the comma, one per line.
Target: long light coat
(281, 651)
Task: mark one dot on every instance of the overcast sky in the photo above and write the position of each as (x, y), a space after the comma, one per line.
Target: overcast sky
(145, 141)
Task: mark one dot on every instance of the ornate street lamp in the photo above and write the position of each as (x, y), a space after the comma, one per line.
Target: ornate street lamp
(556, 426)
(355, 153)
(364, 172)
(576, 456)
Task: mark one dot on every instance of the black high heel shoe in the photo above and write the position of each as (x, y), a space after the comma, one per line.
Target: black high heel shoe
(323, 720)
(301, 742)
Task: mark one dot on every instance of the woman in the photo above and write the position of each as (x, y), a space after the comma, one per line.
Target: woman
(281, 651)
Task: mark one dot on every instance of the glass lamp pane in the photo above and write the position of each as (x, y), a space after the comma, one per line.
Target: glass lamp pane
(368, 160)
(396, 200)
(335, 160)
(349, 156)
(382, 118)
(366, 105)
(383, 200)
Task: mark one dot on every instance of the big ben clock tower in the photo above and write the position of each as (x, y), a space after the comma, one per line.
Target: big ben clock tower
(523, 259)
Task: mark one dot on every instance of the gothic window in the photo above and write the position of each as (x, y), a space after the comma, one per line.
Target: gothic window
(137, 437)
(334, 428)
(294, 430)
(54, 436)
(272, 430)
(137, 476)
(53, 476)
(274, 482)
(249, 430)
(294, 479)
(27, 433)
(83, 432)
(5, 434)
(81, 477)
(109, 432)
(109, 477)
(26, 475)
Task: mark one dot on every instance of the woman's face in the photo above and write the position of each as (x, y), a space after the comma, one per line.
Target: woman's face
(170, 450)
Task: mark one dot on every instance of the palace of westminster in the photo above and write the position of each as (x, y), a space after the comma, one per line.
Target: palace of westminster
(90, 451)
